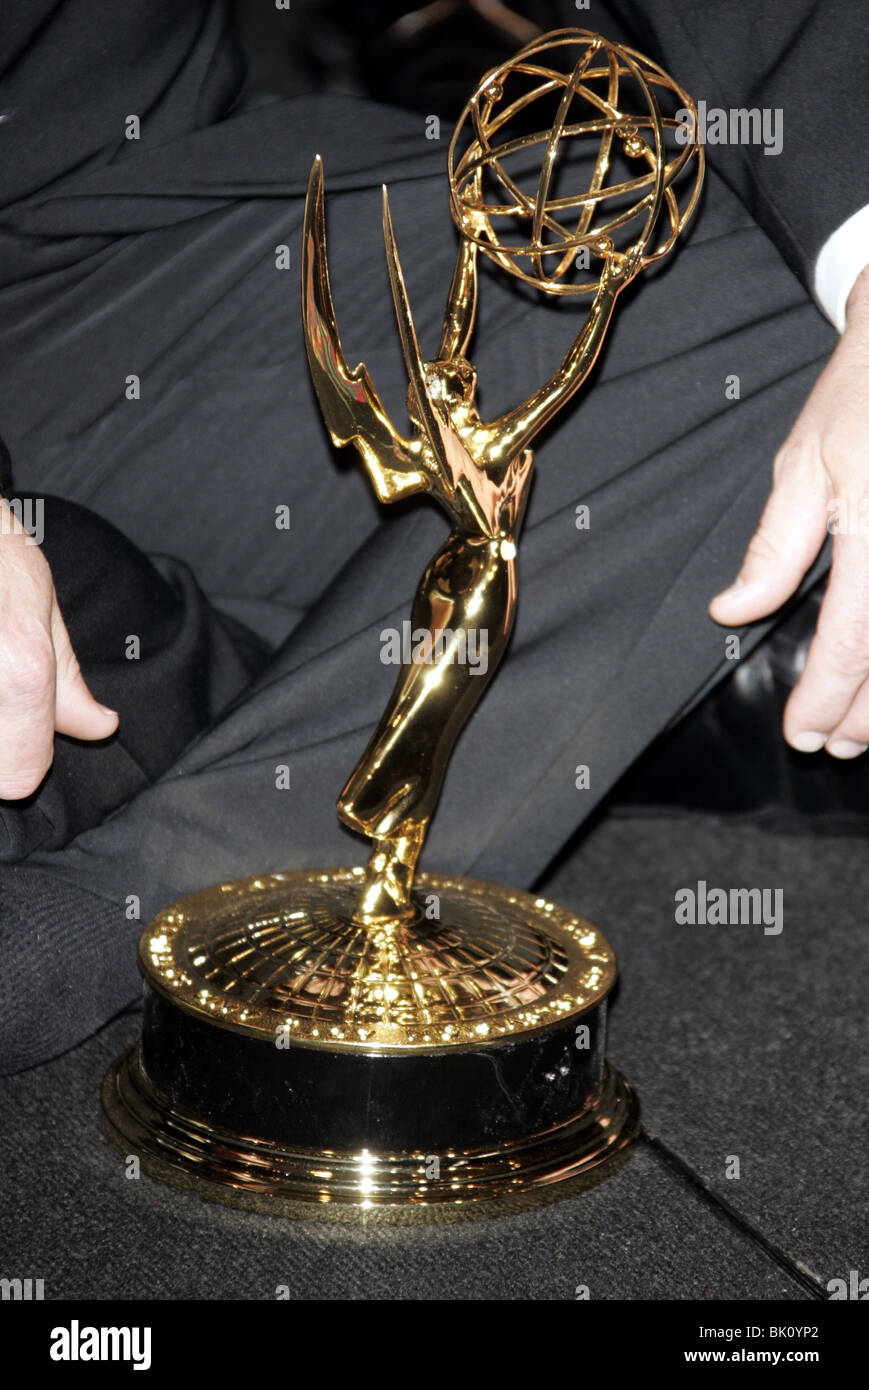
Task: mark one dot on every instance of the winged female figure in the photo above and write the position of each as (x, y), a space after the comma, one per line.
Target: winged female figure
(479, 472)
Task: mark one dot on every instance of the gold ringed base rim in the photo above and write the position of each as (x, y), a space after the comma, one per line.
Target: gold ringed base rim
(179, 949)
(184, 1151)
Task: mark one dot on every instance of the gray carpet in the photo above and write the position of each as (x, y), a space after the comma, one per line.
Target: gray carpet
(742, 1043)
(739, 1043)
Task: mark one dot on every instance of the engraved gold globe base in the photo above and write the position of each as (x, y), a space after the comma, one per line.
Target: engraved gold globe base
(298, 1062)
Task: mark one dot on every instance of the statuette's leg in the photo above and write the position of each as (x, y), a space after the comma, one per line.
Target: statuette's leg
(389, 876)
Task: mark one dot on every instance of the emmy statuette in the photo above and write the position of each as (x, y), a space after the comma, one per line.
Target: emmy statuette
(376, 1041)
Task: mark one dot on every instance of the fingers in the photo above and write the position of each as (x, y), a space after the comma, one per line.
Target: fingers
(76, 711)
(824, 461)
(790, 534)
(829, 707)
(41, 687)
(850, 738)
(26, 662)
(26, 710)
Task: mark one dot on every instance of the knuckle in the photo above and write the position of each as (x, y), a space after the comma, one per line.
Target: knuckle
(847, 648)
(26, 668)
(764, 546)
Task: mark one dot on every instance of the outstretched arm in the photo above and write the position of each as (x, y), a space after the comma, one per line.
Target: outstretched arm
(517, 428)
(351, 407)
(461, 307)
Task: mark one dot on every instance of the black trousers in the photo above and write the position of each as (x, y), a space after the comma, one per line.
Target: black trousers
(169, 675)
(153, 372)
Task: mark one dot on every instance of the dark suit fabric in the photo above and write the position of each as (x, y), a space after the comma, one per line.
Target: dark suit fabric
(158, 260)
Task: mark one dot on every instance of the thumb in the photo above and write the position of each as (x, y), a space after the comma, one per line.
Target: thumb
(790, 534)
(77, 713)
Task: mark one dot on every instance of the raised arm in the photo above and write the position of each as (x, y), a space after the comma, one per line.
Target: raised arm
(351, 407)
(461, 309)
(516, 429)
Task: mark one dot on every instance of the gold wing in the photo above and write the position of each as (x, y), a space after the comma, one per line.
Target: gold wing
(351, 407)
(449, 460)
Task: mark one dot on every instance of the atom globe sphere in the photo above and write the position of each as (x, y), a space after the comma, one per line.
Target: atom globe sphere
(600, 100)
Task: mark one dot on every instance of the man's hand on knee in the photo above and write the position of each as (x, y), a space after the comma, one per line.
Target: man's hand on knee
(821, 474)
(41, 686)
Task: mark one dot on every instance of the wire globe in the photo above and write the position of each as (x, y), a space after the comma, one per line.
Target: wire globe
(606, 98)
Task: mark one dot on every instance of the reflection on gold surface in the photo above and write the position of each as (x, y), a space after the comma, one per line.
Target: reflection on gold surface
(285, 951)
(603, 80)
(181, 1149)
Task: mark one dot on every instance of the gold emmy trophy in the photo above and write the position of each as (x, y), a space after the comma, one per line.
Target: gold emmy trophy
(374, 1039)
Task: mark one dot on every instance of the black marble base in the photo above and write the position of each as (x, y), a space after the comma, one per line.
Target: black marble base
(330, 1098)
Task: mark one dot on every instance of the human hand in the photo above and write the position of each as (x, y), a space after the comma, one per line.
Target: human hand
(41, 686)
(821, 476)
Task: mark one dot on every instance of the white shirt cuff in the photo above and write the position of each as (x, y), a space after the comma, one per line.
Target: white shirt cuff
(841, 259)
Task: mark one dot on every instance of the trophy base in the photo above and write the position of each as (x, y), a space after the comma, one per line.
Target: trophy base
(181, 1149)
(297, 1061)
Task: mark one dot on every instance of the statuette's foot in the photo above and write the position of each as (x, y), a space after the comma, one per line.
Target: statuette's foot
(388, 879)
